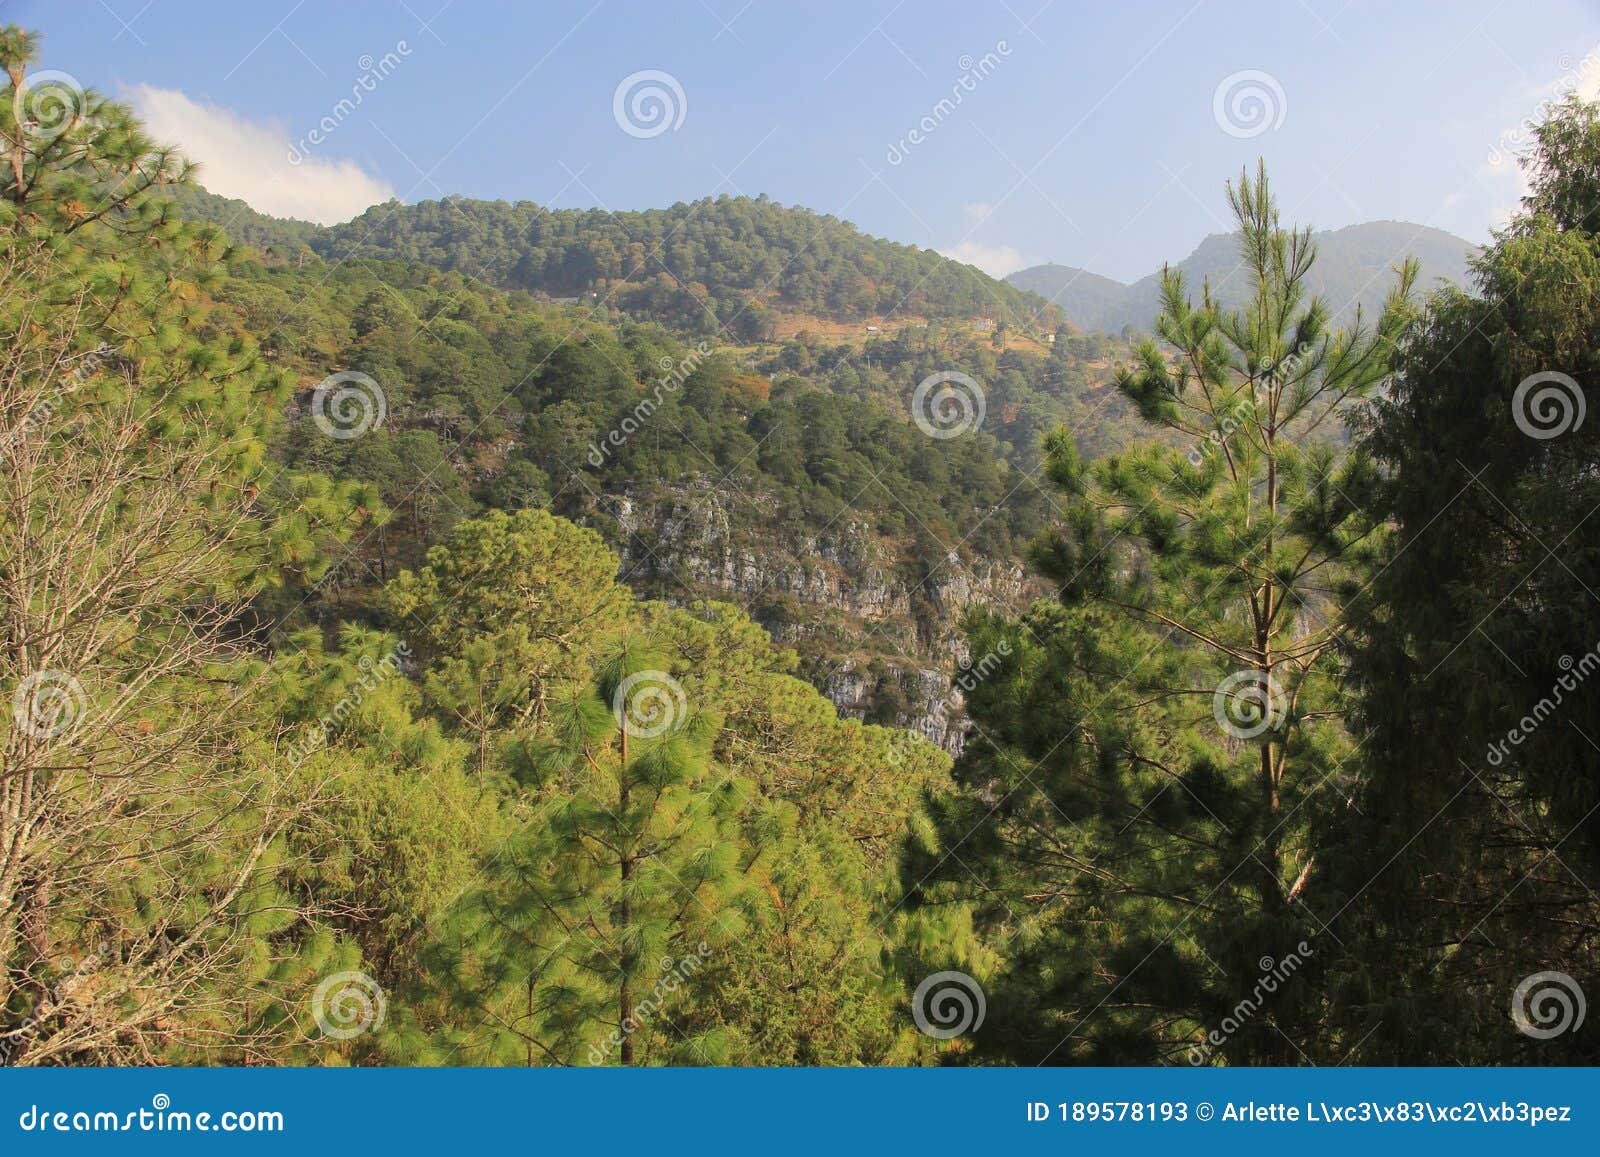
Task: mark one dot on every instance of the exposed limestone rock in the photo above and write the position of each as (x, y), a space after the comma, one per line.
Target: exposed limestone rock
(875, 635)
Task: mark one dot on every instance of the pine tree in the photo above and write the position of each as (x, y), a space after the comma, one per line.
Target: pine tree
(1463, 857)
(1143, 775)
(576, 951)
(138, 518)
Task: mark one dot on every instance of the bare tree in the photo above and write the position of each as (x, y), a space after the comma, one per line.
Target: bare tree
(133, 824)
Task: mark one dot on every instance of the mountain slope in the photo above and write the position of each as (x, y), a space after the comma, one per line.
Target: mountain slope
(1354, 268)
(724, 265)
(1086, 298)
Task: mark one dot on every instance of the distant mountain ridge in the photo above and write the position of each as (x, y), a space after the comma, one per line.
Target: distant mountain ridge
(717, 265)
(1354, 267)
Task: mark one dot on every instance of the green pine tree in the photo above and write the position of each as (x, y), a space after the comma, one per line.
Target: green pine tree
(1143, 776)
(576, 950)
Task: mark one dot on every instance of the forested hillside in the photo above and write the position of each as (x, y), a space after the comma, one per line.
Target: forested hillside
(729, 265)
(457, 637)
(791, 481)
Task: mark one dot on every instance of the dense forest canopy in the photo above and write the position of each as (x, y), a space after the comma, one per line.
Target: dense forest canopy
(718, 265)
(401, 672)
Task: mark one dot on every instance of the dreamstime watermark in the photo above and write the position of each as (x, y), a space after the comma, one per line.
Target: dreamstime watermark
(649, 102)
(947, 1004)
(47, 104)
(1547, 1004)
(1248, 703)
(42, 412)
(674, 373)
(373, 73)
(347, 1004)
(1576, 672)
(948, 404)
(673, 975)
(973, 72)
(1248, 103)
(348, 404)
(61, 992)
(48, 703)
(1548, 404)
(373, 673)
(1522, 133)
(648, 704)
(968, 676)
(160, 1117)
(1245, 409)
(1216, 438)
(1273, 974)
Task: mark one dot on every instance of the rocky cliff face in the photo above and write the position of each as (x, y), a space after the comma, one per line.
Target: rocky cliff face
(878, 633)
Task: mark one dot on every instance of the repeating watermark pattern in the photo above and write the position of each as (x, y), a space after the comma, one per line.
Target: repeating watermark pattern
(973, 73)
(948, 1004)
(1521, 134)
(674, 373)
(1576, 673)
(673, 975)
(968, 676)
(648, 103)
(1249, 103)
(373, 673)
(77, 971)
(1273, 974)
(1547, 1004)
(1244, 410)
(347, 1004)
(948, 404)
(348, 404)
(46, 407)
(1548, 404)
(649, 703)
(1213, 442)
(373, 73)
(48, 103)
(1248, 704)
(48, 703)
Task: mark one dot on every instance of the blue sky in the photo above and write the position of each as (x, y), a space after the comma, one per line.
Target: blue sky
(1093, 136)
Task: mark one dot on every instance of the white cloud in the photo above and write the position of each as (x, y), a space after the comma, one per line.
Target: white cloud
(1500, 175)
(249, 160)
(995, 260)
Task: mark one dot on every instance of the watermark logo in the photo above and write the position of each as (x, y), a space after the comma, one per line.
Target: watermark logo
(373, 73)
(648, 103)
(649, 703)
(48, 103)
(46, 408)
(969, 676)
(347, 1004)
(948, 404)
(1547, 1004)
(1248, 703)
(1273, 975)
(948, 1004)
(1575, 674)
(48, 703)
(348, 404)
(1249, 103)
(1519, 135)
(1547, 405)
(674, 372)
(673, 975)
(373, 673)
(973, 72)
(77, 971)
